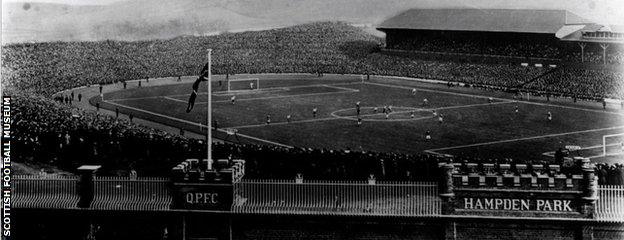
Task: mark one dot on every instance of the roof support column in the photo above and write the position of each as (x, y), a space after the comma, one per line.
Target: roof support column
(604, 47)
(582, 45)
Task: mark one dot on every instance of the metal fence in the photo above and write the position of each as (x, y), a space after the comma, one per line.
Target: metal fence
(122, 193)
(336, 197)
(35, 191)
(610, 204)
(267, 196)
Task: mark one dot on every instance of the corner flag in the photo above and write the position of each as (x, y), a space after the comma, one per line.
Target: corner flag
(201, 78)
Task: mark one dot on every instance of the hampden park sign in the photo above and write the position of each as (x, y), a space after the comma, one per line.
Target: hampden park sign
(527, 191)
(517, 204)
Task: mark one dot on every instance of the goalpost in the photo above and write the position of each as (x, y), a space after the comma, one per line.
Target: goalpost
(612, 144)
(243, 84)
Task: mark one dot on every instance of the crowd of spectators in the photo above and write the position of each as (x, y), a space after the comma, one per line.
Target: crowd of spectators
(55, 133)
(507, 45)
(283, 163)
(596, 56)
(475, 74)
(327, 47)
(581, 83)
(610, 174)
(476, 44)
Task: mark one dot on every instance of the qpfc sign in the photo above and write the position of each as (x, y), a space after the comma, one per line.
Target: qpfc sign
(203, 196)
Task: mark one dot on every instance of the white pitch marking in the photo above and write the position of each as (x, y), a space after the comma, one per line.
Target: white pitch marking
(522, 139)
(284, 96)
(174, 99)
(436, 91)
(501, 99)
(249, 92)
(198, 124)
(263, 98)
(552, 153)
(262, 89)
(284, 123)
(341, 88)
(472, 105)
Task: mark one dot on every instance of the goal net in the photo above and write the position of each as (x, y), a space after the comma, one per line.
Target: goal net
(244, 84)
(613, 144)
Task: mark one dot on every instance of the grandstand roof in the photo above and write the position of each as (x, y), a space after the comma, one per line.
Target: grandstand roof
(575, 33)
(487, 20)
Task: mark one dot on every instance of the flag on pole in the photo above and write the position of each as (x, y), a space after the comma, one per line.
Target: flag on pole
(201, 78)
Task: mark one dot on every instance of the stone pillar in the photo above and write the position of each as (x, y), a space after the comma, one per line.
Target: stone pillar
(446, 188)
(85, 184)
(590, 190)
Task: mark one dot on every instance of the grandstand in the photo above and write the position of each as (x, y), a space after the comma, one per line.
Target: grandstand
(521, 33)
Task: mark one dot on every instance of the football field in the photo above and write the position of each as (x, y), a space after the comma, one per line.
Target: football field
(473, 122)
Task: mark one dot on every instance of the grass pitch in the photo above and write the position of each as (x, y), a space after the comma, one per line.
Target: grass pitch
(475, 123)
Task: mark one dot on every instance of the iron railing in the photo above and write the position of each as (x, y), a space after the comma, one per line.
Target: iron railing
(267, 196)
(610, 204)
(35, 191)
(122, 193)
(336, 197)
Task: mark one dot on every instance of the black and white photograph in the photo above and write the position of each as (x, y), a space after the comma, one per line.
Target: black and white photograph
(312, 119)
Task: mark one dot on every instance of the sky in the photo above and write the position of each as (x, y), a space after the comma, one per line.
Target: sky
(606, 11)
(73, 2)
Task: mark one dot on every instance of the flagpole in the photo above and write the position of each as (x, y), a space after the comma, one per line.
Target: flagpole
(209, 110)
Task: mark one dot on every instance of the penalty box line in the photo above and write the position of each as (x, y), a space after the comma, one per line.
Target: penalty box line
(264, 98)
(198, 124)
(335, 85)
(435, 150)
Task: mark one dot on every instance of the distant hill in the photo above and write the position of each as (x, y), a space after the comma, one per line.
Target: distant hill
(163, 19)
(133, 20)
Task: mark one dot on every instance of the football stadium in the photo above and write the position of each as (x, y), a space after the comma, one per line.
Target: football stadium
(458, 124)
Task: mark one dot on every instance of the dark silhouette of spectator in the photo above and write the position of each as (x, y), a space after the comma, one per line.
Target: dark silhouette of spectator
(559, 156)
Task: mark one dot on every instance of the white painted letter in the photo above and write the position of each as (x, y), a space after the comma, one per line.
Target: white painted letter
(467, 204)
